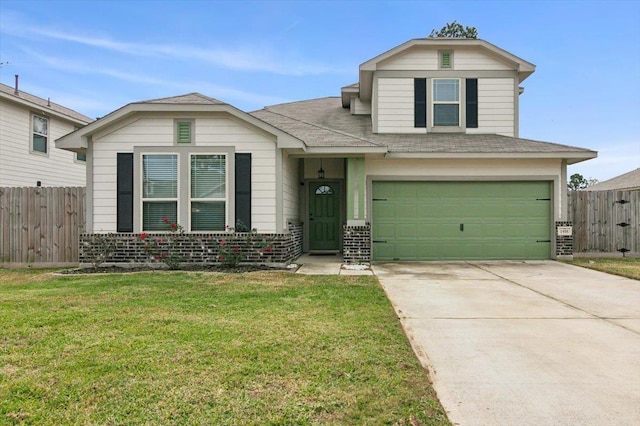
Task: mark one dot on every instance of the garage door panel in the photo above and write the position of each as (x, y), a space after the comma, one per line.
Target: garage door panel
(501, 220)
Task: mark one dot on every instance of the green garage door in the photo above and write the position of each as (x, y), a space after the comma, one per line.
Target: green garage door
(461, 220)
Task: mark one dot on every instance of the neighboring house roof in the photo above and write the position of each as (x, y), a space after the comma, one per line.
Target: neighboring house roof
(190, 103)
(324, 122)
(44, 105)
(626, 182)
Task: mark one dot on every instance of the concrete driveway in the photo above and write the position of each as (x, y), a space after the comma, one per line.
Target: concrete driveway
(523, 343)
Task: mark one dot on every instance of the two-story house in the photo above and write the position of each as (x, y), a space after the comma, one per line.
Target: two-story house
(420, 159)
(29, 125)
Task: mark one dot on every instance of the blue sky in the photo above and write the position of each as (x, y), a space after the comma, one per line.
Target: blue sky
(96, 56)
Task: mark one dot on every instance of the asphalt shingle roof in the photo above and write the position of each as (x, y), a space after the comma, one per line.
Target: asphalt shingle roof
(44, 103)
(189, 98)
(324, 122)
(626, 181)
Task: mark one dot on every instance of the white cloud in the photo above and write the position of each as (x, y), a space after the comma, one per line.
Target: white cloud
(259, 58)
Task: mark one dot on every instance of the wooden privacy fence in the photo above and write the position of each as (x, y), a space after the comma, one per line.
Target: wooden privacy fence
(41, 225)
(605, 221)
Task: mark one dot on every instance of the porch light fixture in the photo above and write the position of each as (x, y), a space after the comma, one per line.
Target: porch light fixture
(320, 171)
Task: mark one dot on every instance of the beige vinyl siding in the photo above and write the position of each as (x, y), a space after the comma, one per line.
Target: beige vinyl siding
(209, 131)
(468, 59)
(359, 107)
(395, 106)
(20, 167)
(496, 106)
(470, 169)
(412, 59)
(290, 189)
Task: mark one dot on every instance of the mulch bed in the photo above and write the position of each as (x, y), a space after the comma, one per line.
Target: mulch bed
(197, 268)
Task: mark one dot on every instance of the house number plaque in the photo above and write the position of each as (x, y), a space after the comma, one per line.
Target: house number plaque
(565, 231)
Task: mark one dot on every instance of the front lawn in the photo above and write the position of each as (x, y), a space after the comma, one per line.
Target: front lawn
(205, 348)
(629, 268)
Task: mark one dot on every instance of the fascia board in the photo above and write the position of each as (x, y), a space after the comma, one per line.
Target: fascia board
(345, 150)
(571, 157)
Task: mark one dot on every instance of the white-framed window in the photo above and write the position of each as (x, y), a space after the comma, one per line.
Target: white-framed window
(81, 157)
(40, 134)
(208, 192)
(159, 191)
(446, 102)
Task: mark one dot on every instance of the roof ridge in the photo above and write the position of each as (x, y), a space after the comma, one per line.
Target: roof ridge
(296, 102)
(324, 127)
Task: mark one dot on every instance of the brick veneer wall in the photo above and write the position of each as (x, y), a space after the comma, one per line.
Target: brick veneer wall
(128, 249)
(356, 244)
(564, 244)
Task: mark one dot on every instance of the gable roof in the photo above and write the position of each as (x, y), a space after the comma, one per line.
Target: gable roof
(324, 122)
(42, 105)
(523, 68)
(190, 103)
(187, 99)
(627, 181)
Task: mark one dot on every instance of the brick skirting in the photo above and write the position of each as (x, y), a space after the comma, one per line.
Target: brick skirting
(356, 244)
(128, 249)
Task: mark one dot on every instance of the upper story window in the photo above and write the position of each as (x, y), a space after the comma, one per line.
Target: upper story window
(446, 102)
(40, 134)
(184, 131)
(159, 191)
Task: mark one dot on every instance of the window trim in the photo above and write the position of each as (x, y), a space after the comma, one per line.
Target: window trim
(78, 160)
(176, 124)
(33, 132)
(183, 152)
(226, 189)
(435, 127)
(141, 185)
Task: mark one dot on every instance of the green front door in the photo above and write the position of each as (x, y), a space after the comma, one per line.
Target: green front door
(461, 220)
(324, 216)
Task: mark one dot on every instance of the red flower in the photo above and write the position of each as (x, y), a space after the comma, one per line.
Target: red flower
(222, 243)
(269, 249)
(236, 249)
(165, 219)
(164, 254)
(143, 235)
(173, 226)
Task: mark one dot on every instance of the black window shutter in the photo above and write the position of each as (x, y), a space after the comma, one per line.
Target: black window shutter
(420, 102)
(125, 193)
(472, 103)
(243, 189)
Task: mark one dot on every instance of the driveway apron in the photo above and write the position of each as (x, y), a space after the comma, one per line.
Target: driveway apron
(523, 343)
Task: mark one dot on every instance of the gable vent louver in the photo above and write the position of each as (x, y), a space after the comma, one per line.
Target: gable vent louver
(184, 132)
(445, 60)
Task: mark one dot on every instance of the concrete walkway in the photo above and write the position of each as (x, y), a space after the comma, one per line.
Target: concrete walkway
(523, 343)
(327, 265)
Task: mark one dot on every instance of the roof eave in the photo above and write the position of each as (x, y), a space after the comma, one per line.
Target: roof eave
(570, 157)
(43, 110)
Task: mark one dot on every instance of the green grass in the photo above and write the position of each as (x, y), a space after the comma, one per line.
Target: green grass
(202, 348)
(629, 268)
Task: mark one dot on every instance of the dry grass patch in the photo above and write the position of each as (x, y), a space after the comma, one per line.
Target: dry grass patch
(629, 268)
(206, 348)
